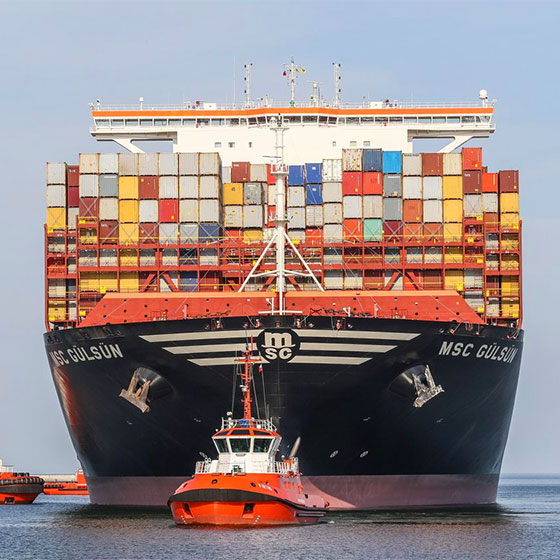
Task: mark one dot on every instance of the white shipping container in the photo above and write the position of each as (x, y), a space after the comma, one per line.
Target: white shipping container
(148, 211)
(209, 257)
(296, 218)
(472, 204)
(414, 254)
(492, 307)
(352, 207)
(188, 233)
(296, 196)
(56, 196)
(188, 164)
(72, 216)
(108, 208)
(412, 164)
(373, 206)
(452, 164)
(352, 159)
(168, 233)
(392, 209)
(209, 186)
(168, 187)
(108, 185)
(188, 210)
(332, 171)
(332, 191)
(297, 235)
(89, 163)
(412, 188)
(332, 213)
(314, 216)
(226, 174)
(168, 164)
(209, 211)
(108, 257)
(432, 188)
(490, 202)
(209, 163)
(57, 288)
(89, 186)
(253, 216)
(433, 255)
(188, 186)
(473, 278)
(109, 163)
(433, 211)
(128, 164)
(148, 163)
(233, 217)
(258, 172)
(169, 257)
(332, 233)
(353, 280)
(333, 280)
(56, 173)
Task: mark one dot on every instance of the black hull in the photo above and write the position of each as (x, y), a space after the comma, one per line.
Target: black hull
(363, 443)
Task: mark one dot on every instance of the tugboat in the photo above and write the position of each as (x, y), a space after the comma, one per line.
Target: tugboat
(18, 487)
(77, 487)
(246, 486)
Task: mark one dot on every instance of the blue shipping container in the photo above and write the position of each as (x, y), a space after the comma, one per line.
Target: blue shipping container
(314, 194)
(188, 281)
(188, 256)
(313, 173)
(208, 233)
(392, 162)
(296, 175)
(373, 160)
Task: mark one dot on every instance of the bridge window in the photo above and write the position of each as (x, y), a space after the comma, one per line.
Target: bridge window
(202, 122)
(221, 445)
(439, 120)
(367, 143)
(243, 122)
(174, 122)
(352, 120)
(131, 122)
(117, 122)
(217, 122)
(261, 120)
(189, 122)
(425, 120)
(483, 119)
(453, 120)
(240, 445)
(217, 144)
(102, 122)
(323, 119)
(395, 119)
(310, 119)
(160, 122)
(146, 122)
(294, 119)
(410, 120)
(261, 445)
(333, 120)
(353, 143)
(467, 119)
(380, 119)
(367, 120)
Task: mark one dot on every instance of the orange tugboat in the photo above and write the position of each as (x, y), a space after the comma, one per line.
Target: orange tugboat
(18, 487)
(77, 487)
(246, 486)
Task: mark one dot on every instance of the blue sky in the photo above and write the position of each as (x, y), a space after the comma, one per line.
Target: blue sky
(58, 56)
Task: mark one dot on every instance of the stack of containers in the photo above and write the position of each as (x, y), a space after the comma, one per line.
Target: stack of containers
(331, 173)
(372, 188)
(295, 192)
(452, 188)
(254, 203)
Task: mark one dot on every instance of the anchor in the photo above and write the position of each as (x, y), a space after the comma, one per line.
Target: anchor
(137, 392)
(425, 391)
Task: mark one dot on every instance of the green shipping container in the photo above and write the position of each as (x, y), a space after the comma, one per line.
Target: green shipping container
(373, 229)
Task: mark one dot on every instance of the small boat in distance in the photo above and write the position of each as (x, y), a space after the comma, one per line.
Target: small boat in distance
(77, 487)
(18, 487)
(246, 486)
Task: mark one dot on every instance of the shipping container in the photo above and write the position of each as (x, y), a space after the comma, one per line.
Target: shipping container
(352, 207)
(89, 207)
(412, 211)
(392, 162)
(313, 173)
(148, 164)
(353, 280)
(509, 202)
(168, 232)
(412, 164)
(472, 182)
(109, 208)
(209, 211)
(188, 164)
(252, 217)
(148, 233)
(128, 211)
(148, 187)
(128, 164)
(473, 278)
(433, 255)
(271, 193)
(314, 216)
(372, 160)
(432, 164)
(56, 218)
(508, 181)
(73, 197)
(352, 160)
(452, 210)
(490, 202)
(412, 187)
(73, 175)
(72, 217)
(56, 196)
(188, 233)
(472, 159)
(509, 220)
(392, 185)
(353, 230)
(332, 171)
(233, 194)
(392, 209)
(168, 210)
(240, 171)
(433, 211)
(296, 175)
(333, 279)
(258, 173)
(372, 183)
(108, 185)
(314, 194)
(473, 205)
(253, 235)
(226, 174)
(128, 187)
(296, 196)
(188, 186)
(128, 234)
(452, 186)
(168, 164)
(253, 193)
(373, 206)
(373, 229)
(332, 233)
(109, 232)
(432, 188)
(56, 173)
(168, 187)
(89, 163)
(332, 213)
(352, 183)
(414, 255)
(332, 192)
(210, 163)
(109, 164)
(452, 164)
(209, 186)
(489, 182)
(89, 185)
(296, 218)
(188, 211)
(233, 217)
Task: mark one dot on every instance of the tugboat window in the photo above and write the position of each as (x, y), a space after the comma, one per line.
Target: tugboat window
(261, 445)
(221, 444)
(240, 445)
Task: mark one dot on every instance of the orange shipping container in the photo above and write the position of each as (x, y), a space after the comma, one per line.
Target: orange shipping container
(433, 232)
(412, 211)
(489, 182)
(472, 158)
(372, 183)
(353, 230)
(413, 233)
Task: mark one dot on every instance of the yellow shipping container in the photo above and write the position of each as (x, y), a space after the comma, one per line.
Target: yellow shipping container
(453, 210)
(128, 187)
(128, 234)
(452, 187)
(56, 218)
(510, 262)
(453, 254)
(233, 194)
(252, 235)
(509, 220)
(453, 233)
(128, 211)
(509, 202)
(87, 236)
(510, 307)
(510, 241)
(453, 280)
(108, 282)
(57, 311)
(510, 285)
(129, 282)
(89, 282)
(129, 257)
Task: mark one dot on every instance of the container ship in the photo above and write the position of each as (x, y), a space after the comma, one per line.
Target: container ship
(381, 289)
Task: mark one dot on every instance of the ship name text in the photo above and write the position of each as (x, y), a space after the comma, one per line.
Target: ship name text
(86, 354)
(496, 352)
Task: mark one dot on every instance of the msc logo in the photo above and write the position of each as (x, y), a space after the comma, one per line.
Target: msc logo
(278, 344)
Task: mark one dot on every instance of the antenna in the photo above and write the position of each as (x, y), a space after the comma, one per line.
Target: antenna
(291, 71)
(337, 90)
(248, 84)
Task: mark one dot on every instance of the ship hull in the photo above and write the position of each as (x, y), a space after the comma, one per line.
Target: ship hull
(343, 392)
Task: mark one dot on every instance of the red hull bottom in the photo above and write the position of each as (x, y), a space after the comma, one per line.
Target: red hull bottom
(20, 498)
(64, 492)
(261, 514)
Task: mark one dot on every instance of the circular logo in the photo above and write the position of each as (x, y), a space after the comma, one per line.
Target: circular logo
(278, 344)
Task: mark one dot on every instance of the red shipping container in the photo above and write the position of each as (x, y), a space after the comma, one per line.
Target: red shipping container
(240, 172)
(148, 187)
(353, 229)
(472, 182)
(489, 182)
(412, 210)
(472, 159)
(393, 228)
(432, 280)
(372, 183)
(73, 197)
(108, 232)
(509, 181)
(270, 178)
(412, 233)
(352, 183)
(432, 164)
(168, 210)
(233, 234)
(433, 232)
(73, 172)
(89, 207)
(149, 233)
(374, 280)
(313, 236)
(209, 281)
(491, 219)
